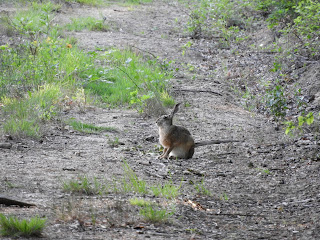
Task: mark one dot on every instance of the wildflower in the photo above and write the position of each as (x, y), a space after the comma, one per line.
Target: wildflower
(69, 45)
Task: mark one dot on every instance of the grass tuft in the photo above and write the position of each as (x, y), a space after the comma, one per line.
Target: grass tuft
(168, 190)
(89, 23)
(140, 202)
(156, 214)
(13, 227)
(85, 186)
(88, 128)
(134, 182)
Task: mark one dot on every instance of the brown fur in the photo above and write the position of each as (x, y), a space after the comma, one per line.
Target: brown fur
(177, 141)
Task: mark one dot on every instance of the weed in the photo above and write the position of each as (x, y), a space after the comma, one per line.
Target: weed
(201, 189)
(140, 202)
(137, 185)
(9, 184)
(167, 100)
(88, 128)
(185, 47)
(276, 101)
(264, 171)
(44, 61)
(221, 18)
(302, 121)
(296, 18)
(89, 23)
(224, 197)
(156, 214)
(25, 115)
(167, 190)
(114, 143)
(35, 21)
(13, 227)
(128, 79)
(84, 185)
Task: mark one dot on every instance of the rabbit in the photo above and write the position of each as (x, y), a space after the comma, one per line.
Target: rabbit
(177, 141)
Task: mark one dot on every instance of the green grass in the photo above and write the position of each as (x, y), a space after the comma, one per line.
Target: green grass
(89, 23)
(129, 78)
(87, 127)
(201, 189)
(24, 116)
(156, 214)
(131, 180)
(167, 190)
(151, 211)
(36, 63)
(44, 61)
(140, 202)
(84, 185)
(33, 22)
(13, 227)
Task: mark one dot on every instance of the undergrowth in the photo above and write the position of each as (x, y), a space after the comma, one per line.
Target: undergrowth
(295, 25)
(89, 23)
(45, 73)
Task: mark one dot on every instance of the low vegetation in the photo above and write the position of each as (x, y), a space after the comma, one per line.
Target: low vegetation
(13, 227)
(296, 26)
(84, 185)
(89, 23)
(129, 183)
(88, 128)
(45, 74)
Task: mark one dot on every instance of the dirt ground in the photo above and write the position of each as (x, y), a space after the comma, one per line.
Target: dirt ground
(264, 187)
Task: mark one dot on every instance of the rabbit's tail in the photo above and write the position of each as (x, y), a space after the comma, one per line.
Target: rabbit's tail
(203, 143)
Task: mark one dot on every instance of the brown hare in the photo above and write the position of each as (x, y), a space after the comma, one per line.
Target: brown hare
(176, 140)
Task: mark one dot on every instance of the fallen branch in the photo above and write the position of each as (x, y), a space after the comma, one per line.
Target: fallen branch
(11, 202)
(194, 90)
(5, 145)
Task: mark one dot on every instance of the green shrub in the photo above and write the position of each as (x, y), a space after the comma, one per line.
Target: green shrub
(297, 18)
(276, 101)
(222, 19)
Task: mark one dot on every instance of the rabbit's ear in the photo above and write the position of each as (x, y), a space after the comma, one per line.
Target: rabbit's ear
(176, 108)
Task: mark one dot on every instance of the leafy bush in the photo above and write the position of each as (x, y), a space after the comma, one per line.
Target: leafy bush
(276, 101)
(219, 18)
(303, 119)
(296, 18)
